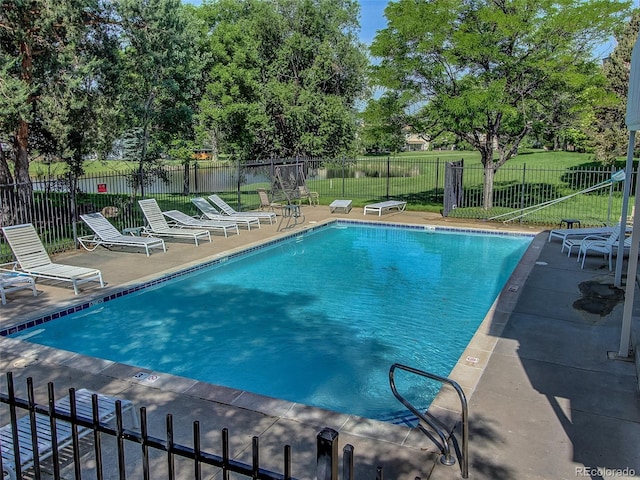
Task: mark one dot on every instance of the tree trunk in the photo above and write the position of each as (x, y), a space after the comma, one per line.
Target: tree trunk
(487, 196)
(6, 177)
(486, 157)
(24, 189)
(7, 189)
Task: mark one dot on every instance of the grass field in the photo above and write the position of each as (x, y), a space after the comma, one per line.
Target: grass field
(536, 158)
(530, 178)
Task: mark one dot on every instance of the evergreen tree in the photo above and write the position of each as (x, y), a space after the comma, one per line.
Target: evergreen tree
(46, 60)
(608, 129)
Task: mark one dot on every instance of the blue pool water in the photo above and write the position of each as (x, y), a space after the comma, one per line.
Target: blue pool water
(317, 320)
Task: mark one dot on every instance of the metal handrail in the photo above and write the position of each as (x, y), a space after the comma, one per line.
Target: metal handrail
(434, 423)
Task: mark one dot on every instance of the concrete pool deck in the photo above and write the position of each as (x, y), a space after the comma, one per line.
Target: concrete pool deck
(545, 402)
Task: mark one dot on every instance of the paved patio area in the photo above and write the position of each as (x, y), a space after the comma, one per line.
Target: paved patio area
(545, 400)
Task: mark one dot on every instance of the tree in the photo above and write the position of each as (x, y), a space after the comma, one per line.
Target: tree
(160, 86)
(284, 76)
(608, 129)
(384, 122)
(46, 59)
(483, 68)
(564, 107)
(79, 110)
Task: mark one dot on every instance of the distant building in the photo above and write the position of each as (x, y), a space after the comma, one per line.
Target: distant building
(203, 154)
(415, 142)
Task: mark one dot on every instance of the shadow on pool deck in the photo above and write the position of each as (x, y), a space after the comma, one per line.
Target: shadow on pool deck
(545, 401)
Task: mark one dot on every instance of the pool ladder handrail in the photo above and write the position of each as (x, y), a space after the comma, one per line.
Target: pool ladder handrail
(437, 426)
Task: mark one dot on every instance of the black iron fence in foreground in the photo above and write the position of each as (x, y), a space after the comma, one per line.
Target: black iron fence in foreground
(541, 196)
(87, 433)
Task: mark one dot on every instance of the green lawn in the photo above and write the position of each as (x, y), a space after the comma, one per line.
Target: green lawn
(530, 178)
(534, 158)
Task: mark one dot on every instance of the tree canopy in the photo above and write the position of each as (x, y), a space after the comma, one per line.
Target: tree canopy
(487, 70)
(607, 122)
(160, 81)
(283, 76)
(52, 60)
(260, 78)
(263, 78)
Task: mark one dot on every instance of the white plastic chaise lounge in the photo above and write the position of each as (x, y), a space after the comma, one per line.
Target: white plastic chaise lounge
(570, 242)
(158, 226)
(181, 219)
(606, 246)
(210, 213)
(84, 409)
(227, 209)
(564, 233)
(386, 206)
(11, 282)
(108, 236)
(32, 259)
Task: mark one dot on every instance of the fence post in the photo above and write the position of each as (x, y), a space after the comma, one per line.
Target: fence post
(388, 175)
(610, 205)
(239, 184)
(347, 462)
(435, 190)
(327, 454)
(73, 184)
(344, 163)
(195, 177)
(524, 186)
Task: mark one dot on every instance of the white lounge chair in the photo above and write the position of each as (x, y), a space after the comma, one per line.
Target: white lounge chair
(32, 258)
(570, 242)
(564, 233)
(383, 207)
(211, 213)
(11, 282)
(227, 209)
(84, 409)
(108, 236)
(181, 219)
(158, 226)
(605, 246)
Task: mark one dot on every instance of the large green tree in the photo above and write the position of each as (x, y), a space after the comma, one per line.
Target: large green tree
(484, 68)
(284, 76)
(607, 128)
(383, 123)
(159, 88)
(49, 62)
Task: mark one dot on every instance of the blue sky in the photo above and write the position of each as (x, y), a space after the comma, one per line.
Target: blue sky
(371, 18)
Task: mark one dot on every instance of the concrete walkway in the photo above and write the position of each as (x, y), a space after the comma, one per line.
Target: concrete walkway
(551, 404)
(545, 400)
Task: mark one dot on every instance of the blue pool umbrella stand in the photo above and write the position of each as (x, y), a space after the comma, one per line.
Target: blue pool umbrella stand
(632, 121)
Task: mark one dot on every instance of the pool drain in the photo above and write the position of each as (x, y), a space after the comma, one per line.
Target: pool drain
(23, 362)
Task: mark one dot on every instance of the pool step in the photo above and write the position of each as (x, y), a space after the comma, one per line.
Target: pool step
(400, 417)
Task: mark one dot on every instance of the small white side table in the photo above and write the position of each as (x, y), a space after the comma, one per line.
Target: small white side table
(340, 206)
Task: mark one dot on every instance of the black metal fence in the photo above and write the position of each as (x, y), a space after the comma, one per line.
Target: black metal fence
(40, 441)
(55, 203)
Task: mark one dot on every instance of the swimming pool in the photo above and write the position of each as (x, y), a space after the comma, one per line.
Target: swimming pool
(317, 319)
